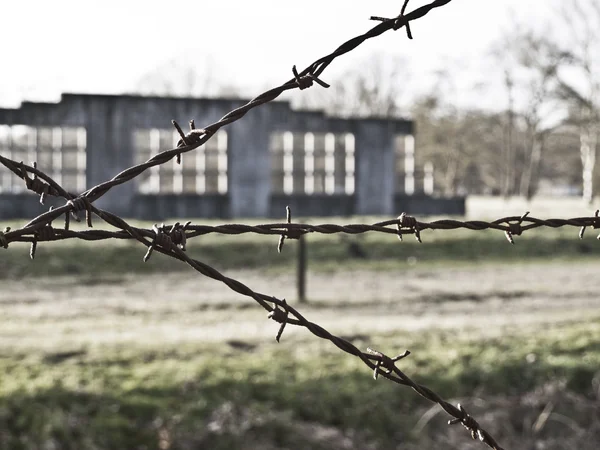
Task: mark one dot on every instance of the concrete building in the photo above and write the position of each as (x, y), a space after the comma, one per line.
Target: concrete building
(273, 157)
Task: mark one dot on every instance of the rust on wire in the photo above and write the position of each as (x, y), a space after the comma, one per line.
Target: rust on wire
(280, 316)
(408, 224)
(45, 233)
(35, 184)
(178, 236)
(515, 228)
(469, 423)
(161, 239)
(81, 204)
(385, 362)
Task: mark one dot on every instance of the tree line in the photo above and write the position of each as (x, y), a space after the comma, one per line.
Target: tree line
(541, 138)
(544, 138)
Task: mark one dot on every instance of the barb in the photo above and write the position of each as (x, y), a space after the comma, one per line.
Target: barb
(397, 21)
(595, 224)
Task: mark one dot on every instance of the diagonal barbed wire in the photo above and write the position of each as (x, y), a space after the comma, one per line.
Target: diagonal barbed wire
(283, 313)
(171, 240)
(197, 137)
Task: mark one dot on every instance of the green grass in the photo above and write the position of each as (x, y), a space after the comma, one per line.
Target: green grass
(228, 395)
(266, 395)
(373, 251)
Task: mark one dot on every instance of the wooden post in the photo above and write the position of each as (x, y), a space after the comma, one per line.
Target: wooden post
(301, 270)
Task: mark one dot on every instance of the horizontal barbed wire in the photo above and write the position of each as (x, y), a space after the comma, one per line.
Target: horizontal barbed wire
(180, 234)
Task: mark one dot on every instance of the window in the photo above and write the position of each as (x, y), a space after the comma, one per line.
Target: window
(311, 163)
(58, 151)
(203, 170)
(405, 164)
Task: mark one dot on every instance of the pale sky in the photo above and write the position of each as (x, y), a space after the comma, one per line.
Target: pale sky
(107, 46)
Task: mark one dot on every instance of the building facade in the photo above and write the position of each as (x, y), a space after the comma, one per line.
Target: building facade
(273, 157)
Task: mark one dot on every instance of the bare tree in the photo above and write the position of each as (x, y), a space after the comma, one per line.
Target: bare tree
(540, 61)
(509, 151)
(530, 63)
(375, 87)
(440, 137)
(465, 145)
(580, 80)
(179, 78)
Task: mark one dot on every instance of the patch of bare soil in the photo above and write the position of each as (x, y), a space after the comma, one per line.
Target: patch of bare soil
(189, 307)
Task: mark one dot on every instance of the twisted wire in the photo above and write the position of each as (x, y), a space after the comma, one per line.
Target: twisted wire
(291, 230)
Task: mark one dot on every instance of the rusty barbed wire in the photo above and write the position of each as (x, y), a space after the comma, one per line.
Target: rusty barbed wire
(181, 234)
(171, 240)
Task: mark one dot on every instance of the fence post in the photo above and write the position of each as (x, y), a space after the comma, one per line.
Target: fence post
(301, 270)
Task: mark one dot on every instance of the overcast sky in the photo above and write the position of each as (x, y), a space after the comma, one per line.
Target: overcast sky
(108, 46)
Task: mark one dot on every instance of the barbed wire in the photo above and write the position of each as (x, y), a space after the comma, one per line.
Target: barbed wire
(171, 240)
(403, 225)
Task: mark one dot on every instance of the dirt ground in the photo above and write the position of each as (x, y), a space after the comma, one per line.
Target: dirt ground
(185, 307)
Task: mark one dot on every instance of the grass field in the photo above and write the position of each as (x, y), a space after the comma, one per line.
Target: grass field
(101, 351)
(369, 251)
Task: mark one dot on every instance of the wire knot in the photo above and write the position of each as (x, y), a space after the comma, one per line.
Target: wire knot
(290, 234)
(193, 137)
(45, 233)
(279, 316)
(595, 225)
(515, 228)
(161, 239)
(177, 234)
(37, 185)
(469, 423)
(385, 362)
(79, 204)
(307, 80)
(398, 21)
(408, 223)
(3, 238)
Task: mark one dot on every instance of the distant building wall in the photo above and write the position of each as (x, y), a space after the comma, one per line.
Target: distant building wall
(275, 156)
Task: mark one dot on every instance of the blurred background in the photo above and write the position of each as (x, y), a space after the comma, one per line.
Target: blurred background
(493, 109)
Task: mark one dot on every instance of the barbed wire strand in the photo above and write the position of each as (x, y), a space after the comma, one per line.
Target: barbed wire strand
(293, 230)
